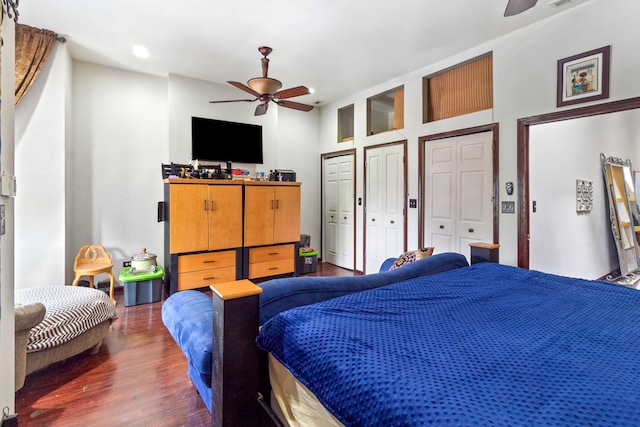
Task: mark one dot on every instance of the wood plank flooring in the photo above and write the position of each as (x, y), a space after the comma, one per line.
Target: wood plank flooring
(138, 378)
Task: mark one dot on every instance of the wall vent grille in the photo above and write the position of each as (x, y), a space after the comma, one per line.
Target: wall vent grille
(559, 3)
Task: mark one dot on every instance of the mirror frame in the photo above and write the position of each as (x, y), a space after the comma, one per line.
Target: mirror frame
(623, 213)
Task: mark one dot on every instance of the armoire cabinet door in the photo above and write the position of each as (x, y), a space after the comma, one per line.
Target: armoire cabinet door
(286, 226)
(259, 205)
(272, 215)
(189, 218)
(225, 216)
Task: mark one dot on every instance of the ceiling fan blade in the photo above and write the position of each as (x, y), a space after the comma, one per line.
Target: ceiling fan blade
(294, 105)
(290, 93)
(234, 100)
(261, 109)
(245, 88)
(515, 7)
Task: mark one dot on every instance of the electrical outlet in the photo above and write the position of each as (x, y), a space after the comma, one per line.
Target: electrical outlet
(126, 264)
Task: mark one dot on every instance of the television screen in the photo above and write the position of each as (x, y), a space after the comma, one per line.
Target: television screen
(218, 140)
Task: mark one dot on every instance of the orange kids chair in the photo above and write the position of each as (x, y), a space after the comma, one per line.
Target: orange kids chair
(91, 261)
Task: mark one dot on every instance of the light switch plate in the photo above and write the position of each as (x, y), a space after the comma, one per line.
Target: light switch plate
(509, 207)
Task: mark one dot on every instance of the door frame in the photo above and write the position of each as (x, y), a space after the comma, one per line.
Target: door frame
(423, 140)
(404, 208)
(323, 157)
(523, 159)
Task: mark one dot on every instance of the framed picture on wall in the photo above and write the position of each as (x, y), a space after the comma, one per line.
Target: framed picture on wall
(584, 77)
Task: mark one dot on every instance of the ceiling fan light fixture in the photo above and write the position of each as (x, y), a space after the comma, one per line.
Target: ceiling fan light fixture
(264, 85)
(266, 89)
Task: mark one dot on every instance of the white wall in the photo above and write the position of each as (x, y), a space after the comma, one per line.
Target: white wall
(560, 153)
(298, 137)
(524, 75)
(119, 140)
(41, 169)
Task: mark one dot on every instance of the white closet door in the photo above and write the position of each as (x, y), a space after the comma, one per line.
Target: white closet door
(458, 193)
(475, 194)
(385, 210)
(440, 223)
(346, 218)
(338, 201)
(330, 200)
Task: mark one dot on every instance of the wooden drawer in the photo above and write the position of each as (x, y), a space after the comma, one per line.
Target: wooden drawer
(199, 279)
(271, 268)
(271, 253)
(206, 261)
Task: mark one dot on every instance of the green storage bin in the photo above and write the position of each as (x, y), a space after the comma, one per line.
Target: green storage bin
(307, 262)
(141, 288)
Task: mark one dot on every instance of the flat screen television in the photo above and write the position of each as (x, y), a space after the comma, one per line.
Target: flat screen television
(219, 140)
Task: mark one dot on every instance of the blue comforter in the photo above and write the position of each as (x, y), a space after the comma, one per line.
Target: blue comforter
(481, 345)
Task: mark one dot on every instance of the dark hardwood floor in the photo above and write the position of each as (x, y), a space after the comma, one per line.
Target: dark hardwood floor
(138, 378)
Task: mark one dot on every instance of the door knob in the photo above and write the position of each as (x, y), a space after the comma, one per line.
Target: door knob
(471, 230)
(392, 222)
(373, 219)
(442, 227)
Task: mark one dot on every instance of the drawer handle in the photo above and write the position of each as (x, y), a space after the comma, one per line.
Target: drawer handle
(274, 253)
(209, 278)
(273, 268)
(209, 261)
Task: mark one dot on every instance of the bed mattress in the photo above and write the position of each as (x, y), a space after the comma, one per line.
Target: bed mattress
(483, 345)
(71, 311)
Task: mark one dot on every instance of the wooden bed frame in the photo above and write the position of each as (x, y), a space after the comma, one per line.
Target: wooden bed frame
(240, 389)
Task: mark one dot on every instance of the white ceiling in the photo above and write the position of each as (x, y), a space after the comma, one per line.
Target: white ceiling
(336, 47)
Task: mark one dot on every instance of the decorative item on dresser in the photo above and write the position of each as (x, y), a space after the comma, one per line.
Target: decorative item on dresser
(218, 231)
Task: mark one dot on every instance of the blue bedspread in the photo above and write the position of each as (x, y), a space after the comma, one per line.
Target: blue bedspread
(481, 345)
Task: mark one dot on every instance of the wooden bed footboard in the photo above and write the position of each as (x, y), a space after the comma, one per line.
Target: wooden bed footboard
(240, 390)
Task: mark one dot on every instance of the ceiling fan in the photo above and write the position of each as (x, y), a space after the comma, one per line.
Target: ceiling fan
(515, 7)
(266, 89)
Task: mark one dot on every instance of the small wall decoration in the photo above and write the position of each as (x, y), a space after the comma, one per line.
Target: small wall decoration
(584, 77)
(584, 195)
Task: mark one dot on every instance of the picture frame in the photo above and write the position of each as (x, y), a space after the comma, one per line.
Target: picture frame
(584, 77)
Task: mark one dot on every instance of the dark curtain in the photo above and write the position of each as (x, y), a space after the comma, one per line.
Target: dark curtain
(33, 46)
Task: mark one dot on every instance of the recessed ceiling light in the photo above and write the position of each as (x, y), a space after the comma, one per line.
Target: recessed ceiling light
(140, 51)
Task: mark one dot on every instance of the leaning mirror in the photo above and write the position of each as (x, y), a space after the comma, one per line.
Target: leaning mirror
(623, 212)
